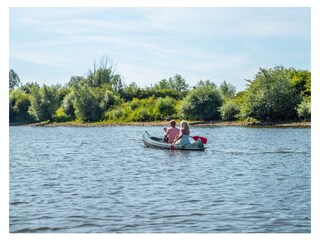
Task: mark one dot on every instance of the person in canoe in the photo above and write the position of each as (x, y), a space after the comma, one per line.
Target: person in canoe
(171, 133)
(183, 136)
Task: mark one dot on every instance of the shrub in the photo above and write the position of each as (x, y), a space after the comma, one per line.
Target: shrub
(19, 104)
(134, 104)
(61, 116)
(271, 96)
(164, 107)
(67, 104)
(229, 111)
(86, 104)
(143, 115)
(202, 103)
(108, 100)
(44, 102)
(304, 109)
(114, 115)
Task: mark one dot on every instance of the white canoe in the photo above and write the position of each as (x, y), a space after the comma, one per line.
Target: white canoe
(157, 142)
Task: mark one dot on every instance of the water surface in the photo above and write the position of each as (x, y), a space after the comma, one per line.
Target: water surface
(104, 180)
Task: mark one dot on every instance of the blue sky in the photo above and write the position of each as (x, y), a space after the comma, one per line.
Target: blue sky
(49, 45)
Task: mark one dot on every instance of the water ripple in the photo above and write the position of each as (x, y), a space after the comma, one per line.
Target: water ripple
(103, 180)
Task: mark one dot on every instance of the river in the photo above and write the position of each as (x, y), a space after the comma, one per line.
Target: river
(104, 180)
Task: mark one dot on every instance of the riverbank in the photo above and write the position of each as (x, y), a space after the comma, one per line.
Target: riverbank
(166, 123)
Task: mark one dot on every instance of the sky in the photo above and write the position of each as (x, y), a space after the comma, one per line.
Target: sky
(145, 45)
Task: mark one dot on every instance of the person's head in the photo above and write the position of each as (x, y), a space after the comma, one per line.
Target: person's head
(184, 125)
(173, 123)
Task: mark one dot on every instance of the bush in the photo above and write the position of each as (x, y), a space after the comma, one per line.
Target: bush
(86, 104)
(164, 107)
(202, 103)
(227, 90)
(143, 115)
(67, 105)
(19, 104)
(304, 109)
(134, 104)
(61, 116)
(229, 111)
(271, 96)
(114, 115)
(108, 100)
(44, 102)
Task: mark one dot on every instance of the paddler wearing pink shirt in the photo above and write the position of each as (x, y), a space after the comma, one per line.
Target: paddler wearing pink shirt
(171, 133)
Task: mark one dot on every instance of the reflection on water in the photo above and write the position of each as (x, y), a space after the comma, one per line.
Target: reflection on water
(105, 180)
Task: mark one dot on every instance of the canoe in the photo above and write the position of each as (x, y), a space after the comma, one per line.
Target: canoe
(157, 142)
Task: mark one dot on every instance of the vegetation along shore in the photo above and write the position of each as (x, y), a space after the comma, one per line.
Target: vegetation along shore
(165, 124)
(276, 96)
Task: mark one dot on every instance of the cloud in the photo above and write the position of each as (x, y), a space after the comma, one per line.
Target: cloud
(153, 43)
(37, 58)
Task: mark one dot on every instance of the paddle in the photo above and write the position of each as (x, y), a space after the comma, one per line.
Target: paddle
(172, 147)
(203, 139)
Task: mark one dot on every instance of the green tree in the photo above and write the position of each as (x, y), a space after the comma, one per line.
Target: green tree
(28, 86)
(14, 79)
(164, 107)
(304, 109)
(117, 84)
(108, 100)
(162, 84)
(137, 110)
(165, 93)
(202, 103)
(44, 102)
(103, 73)
(206, 83)
(12, 113)
(67, 105)
(62, 91)
(134, 104)
(19, 104)
(178, 83)
(270, 96)
(176, 87)
(61, 116)
(131, 91)
(21, 107)
(99, 77)
(86, 104)
(143, 115)
(75, 80)
(301, 81)
(227, 90)
(229, 110)
(114, 114)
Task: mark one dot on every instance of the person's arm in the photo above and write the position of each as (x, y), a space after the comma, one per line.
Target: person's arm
(165, 132)
(165, 136)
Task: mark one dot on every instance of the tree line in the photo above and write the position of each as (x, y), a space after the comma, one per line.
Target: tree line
(274, 94)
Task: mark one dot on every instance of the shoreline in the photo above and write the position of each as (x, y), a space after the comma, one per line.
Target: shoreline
(166, 123)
